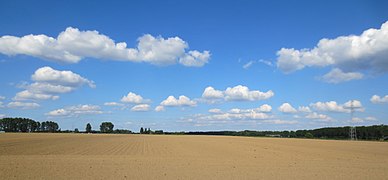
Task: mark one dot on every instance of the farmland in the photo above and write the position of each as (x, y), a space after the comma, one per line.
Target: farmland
(113, 156)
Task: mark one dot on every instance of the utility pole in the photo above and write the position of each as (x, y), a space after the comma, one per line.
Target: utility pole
(352, 131)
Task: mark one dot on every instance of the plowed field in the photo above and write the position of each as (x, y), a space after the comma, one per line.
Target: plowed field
(98, 156)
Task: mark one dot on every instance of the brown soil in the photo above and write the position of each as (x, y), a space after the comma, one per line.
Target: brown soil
(97, 156)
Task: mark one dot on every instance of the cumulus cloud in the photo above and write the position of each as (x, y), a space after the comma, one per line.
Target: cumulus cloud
(337, 76)
(23, 105)
(141, 108)
(320, 117)
(377, 99)
(332, 106)
(242, 93)
(49, 83)
(347, 54)
(76, 110)
(181, 101)
(287, 108)
(133, 98)
(237, 93)
(211, 93)
(73, 45)
(304, 109)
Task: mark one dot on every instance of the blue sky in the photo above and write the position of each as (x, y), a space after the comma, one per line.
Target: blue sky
(195, 65)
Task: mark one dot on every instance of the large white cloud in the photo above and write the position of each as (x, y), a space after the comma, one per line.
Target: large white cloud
(49, 83)
(377, 99)
(237, 93)
(367, 51)
(76, 110)
(73, 45)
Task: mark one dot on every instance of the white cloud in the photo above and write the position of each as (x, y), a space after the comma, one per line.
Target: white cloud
(237, 93)
(287, 108)
(28, 95)
(237, 114)
(367, 51)
(76, 110)
(49, 83)
(159, 108)
(268, 63)
(377, 99)
(337, 76)
(181, 101)
(2, 116)
(195, 58)
(211, 93)
(2, 97)
(304, 109)
(361, 120)
(315, 115)
(248, 64)
(242, 93)
(215, 111)
(280, 121)
(64, 78)
(332, 106)
(113, 104)
(73, 45)
(133, 98)
(23, 105)
(141, 108)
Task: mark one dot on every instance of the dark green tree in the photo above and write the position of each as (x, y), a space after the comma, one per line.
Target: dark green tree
(88, 128)
(141, 130)
(106, 127)
(76, 130)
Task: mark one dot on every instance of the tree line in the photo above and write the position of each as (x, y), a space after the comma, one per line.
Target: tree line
(375, 132)
(27, 125)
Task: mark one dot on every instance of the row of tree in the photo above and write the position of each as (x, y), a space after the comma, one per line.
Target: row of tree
(27, 125)
(375, 132)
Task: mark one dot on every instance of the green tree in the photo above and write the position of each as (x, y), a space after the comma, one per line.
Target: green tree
(88, 128)
(106, 127)
(308, 135)
(141, 130)
(76, 130)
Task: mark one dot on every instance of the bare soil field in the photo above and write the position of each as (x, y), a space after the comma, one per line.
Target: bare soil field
(102, 156)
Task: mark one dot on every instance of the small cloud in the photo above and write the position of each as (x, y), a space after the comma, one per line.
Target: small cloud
(248, 64)
(338, 76)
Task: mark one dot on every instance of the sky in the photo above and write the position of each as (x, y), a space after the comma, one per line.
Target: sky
(195, 65)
